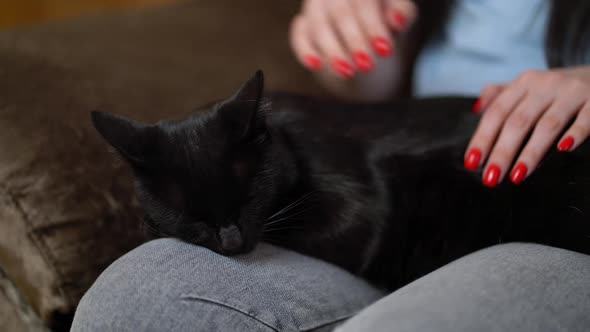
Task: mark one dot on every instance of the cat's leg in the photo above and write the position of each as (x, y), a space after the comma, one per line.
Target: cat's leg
(511, 287)
(168, 285)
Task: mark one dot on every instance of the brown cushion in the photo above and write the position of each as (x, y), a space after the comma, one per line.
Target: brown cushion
(66, 206)
(16, 315)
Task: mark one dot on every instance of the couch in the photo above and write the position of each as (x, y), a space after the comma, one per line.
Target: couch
(67, 208)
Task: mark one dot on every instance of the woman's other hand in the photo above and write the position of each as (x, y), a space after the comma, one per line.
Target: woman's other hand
(343, 37)
(539, 103)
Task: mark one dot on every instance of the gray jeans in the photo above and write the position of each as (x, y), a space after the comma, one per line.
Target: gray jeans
(167, 285)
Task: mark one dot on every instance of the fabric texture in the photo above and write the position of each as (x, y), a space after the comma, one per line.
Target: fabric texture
(66, 203)
(169, 285)
(511, 287)
(484, 42)
(15, 313)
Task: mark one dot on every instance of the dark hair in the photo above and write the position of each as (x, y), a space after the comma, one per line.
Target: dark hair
(568, 35)
(567, 41)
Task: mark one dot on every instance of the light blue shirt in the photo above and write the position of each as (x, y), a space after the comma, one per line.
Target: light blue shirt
(484, 42)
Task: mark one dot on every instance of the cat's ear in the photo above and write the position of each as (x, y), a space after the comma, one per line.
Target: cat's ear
(251, 91)
(131, 139)
(246, 108)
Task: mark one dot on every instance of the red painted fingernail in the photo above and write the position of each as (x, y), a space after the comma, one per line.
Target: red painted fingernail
(399, 19)
(472, 160)
(343, 68)
(382, 46)
(492, 175)
(477, 106)
(313, 62)
(519, 173)
(363, 61)
(566, 145)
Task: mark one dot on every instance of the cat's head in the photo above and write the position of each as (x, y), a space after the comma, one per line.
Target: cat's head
(194, 177)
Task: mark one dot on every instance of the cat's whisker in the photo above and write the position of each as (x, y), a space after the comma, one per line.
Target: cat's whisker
(287, 218)
(292, 205)
(283, 221)
(295, 203)
(283, 210)
(576, 209)
(281, 228)
(279, 221)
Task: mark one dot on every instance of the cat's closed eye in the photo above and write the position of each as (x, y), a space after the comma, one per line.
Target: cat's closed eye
(169, 192)
(244, 165)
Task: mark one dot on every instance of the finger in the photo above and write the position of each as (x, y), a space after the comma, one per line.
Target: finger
(344, 20)
(374, 27)
(545, 133)
(400, 14)
(512, 135)
(487, 96)
(326, 40)
(490, 125)
(578, 132)
(304, 50)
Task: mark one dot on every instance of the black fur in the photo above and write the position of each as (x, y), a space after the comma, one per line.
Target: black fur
(379, 190)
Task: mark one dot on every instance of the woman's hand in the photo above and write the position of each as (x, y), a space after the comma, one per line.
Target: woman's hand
(540, 103)
(343, 36)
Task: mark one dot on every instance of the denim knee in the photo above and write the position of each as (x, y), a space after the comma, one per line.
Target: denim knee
(170, 285)
(507, 287)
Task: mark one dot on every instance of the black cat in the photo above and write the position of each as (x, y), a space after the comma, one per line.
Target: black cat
(379, 190)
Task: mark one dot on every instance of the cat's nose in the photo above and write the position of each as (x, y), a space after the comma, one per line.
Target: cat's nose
(231, 238)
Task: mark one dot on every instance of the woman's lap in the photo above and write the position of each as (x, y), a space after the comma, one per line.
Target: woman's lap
(169, 285)
(509, 287)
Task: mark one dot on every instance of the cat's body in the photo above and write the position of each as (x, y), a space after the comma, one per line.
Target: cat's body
(377, 189)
